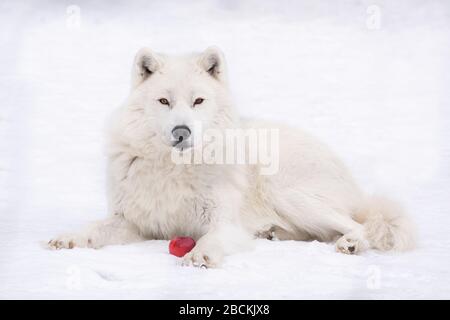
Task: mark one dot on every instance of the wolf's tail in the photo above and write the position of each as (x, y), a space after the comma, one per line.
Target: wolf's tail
(386, 225)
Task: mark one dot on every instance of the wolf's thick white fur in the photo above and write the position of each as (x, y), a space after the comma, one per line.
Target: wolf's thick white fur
(224, 207)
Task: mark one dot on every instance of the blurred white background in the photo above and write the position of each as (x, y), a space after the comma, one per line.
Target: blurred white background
(370, 78)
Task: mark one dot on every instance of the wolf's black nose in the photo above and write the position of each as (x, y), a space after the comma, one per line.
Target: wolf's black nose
(181, 133)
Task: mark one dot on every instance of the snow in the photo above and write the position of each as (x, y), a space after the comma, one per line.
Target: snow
(376, 92)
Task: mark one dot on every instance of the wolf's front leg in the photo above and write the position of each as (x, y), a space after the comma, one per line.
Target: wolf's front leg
(221, 240)
(225, 235)
(112, 230)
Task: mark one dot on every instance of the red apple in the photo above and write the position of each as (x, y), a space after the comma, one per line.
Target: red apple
(179, 246)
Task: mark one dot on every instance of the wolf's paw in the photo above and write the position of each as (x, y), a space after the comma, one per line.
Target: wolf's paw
(346, 245)
(70, 241)
(202, 258)
(351, 243)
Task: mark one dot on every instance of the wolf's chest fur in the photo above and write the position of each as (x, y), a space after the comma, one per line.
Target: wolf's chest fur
(165, 200)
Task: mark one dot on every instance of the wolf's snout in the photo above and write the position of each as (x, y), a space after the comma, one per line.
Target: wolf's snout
(181, 133)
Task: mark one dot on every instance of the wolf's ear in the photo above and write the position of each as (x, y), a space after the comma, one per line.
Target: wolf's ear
(212, 61)
(145, 64)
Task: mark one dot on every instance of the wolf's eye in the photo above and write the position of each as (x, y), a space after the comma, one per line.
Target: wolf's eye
(164, 101)
(198, 101)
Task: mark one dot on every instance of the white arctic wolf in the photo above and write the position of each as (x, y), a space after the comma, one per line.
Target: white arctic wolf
(223, 206)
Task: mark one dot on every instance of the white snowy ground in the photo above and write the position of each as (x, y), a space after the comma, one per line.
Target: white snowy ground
(377, 92)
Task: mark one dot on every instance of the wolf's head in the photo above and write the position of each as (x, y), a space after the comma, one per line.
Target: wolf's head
(173, 98)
